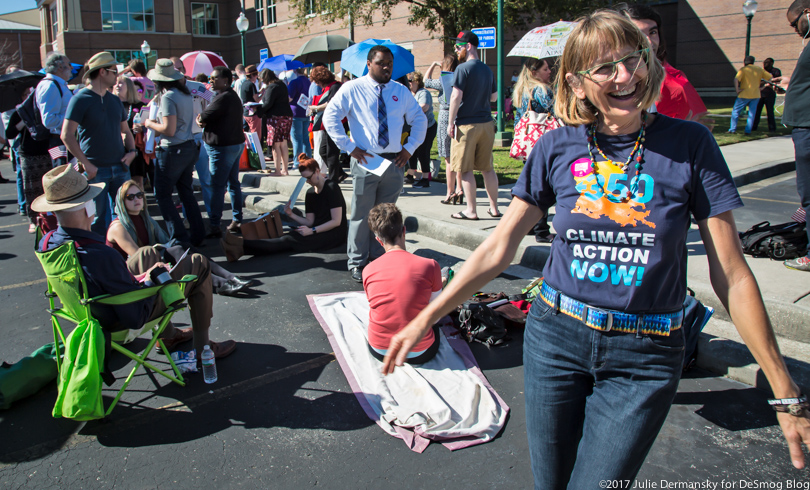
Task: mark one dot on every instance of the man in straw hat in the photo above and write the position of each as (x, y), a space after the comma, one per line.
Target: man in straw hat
(98, 118)
(71, 198)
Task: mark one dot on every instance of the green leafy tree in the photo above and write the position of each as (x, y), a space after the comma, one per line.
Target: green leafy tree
(444, 18)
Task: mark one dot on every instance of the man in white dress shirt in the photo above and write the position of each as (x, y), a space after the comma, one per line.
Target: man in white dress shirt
(376, 108)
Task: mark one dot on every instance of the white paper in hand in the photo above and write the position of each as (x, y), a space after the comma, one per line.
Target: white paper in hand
(375, 164)
(303, 102)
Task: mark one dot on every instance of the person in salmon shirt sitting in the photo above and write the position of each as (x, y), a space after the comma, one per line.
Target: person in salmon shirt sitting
(398, 285)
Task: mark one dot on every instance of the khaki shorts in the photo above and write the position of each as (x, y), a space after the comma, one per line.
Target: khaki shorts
(471, 149)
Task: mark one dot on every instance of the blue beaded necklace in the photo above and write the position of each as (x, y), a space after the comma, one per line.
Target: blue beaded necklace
(638, 152)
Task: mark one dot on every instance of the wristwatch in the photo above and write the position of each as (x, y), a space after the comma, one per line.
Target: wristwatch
(314, 231)
(132, 150)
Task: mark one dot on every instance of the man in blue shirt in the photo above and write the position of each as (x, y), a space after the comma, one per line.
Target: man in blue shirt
(299, 135)
(377, 109)
(53, 97)
(69, 196)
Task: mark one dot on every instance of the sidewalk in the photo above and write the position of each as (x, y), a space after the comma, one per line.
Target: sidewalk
(721, 352)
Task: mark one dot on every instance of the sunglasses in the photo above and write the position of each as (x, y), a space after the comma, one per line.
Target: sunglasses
(137, 195)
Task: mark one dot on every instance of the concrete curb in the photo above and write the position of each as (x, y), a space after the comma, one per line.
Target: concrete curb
(722, 351)
(763, 171)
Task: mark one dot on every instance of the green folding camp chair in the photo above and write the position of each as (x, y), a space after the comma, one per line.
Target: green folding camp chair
(66, 281)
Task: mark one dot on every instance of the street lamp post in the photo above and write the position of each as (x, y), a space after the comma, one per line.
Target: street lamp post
(146, 49)
(242, 24)
(749, 9)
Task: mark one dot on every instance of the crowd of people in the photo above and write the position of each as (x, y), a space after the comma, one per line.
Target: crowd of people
(629, 169)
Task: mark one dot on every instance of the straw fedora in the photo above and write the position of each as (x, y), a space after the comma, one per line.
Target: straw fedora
(164, 71)
(99, 60)
(251, 70)
(64, 188)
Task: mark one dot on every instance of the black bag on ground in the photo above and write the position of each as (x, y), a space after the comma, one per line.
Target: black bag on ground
(481, 323)
(779, 242)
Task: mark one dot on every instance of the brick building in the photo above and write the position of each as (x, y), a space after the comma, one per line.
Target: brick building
(19, 38)
(705, 38)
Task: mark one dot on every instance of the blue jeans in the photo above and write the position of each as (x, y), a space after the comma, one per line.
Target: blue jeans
(19, 175)
(203, 174)
(595, 401)
(175, 166)
(114, 177)
(801, 144)
(300, 138)
(737, 110)
(224, 169)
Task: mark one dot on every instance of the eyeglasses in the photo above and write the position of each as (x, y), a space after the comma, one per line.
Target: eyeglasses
(795, 23)
(607, 71)
(137, 195)
(211, 79)
(114, 72)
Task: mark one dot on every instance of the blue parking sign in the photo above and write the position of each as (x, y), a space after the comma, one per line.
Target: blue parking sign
(486, 37)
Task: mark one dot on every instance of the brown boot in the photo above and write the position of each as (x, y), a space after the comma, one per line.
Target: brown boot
(233, 247)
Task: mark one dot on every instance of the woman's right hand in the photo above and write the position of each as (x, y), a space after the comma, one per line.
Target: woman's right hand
(137, 128)
(288, 210)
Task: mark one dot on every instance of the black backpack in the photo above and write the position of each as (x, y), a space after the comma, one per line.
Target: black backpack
(32, 117)
(779, 242)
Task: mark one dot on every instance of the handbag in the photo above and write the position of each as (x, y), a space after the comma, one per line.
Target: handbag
(531, 126)
(265, 226)
(79, 384)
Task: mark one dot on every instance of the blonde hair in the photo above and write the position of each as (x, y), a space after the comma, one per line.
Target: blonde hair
(526, 82)
(133, 97)
(418, 78)
(603, 30)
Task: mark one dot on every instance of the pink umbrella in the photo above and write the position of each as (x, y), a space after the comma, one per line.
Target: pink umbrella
(197, 62)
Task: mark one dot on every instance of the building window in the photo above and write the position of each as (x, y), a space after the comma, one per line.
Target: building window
(259, 13)
(310, 7)
(205, 19)
(128, 15)
(124, 56)
(271, 12)
(54, 20)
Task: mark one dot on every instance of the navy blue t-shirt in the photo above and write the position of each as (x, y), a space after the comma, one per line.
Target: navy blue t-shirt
(627, 256)
(476, 81)
(99, 121)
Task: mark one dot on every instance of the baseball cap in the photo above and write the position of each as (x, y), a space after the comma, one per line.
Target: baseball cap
(465, 37)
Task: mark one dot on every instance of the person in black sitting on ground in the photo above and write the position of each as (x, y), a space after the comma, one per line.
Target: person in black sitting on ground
(323, 227)
(70, 197)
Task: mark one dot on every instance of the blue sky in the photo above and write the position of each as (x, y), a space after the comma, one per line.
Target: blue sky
(6, 7)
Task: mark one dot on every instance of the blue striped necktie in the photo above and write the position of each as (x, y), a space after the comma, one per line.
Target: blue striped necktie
(382, 117)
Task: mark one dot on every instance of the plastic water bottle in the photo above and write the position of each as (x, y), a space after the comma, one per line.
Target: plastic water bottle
(209, 365)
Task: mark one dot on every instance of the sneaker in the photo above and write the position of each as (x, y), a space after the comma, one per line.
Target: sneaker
(799, 264)
(421, 183)
(32, 228)
(409, 179)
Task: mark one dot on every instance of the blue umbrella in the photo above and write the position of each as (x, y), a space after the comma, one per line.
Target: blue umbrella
(76, 69)
(354, 58)
(280, 63)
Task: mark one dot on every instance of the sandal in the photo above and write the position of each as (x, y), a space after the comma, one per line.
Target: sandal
(449, 200)
(489, 212)
(461, 215)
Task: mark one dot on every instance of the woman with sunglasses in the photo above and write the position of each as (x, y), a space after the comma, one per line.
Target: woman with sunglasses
(604, 344)
(322, 227)
(135, 228)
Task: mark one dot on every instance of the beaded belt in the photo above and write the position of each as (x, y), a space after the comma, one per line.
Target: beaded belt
(611, 320)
